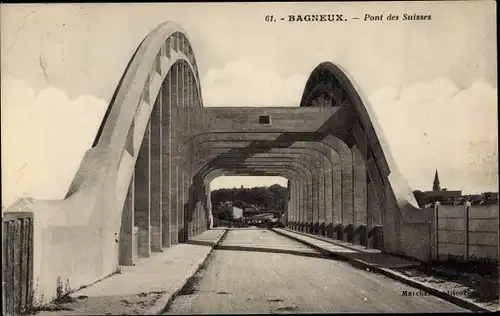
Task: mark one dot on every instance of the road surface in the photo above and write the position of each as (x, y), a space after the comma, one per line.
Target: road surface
(238, 279)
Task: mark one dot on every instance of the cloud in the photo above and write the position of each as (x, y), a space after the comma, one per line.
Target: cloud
(44, 137)
(241, 83)
(436, 125)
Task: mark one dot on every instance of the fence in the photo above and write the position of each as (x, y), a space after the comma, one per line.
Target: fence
(466, 232)
(17, 262)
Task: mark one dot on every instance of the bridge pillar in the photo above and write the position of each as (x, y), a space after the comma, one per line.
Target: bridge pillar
(208, 208)
(327, 202)
(292, 206)
(360, 196)
(295, 210)
(316, 184)
(337, 196)
(333, 217)
(292, 209)
(345, 229)
(204, 210)
(374, 218)
(196, 210)
(184, 223)
(126, 252)
(320, 196)
(168, 162)
(309, 216)
(308, 210)
(201, 209)
(299, 202)
(189, 195)
(143, 194)
(199, 206)
(156, 176)
(175, 168)
(193, 211)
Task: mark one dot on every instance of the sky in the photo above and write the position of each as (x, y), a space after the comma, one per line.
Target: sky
(432, 84)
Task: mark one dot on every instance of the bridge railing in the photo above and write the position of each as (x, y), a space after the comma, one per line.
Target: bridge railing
(17, 262)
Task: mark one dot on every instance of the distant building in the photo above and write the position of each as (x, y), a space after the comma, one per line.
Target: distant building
(260, 217)
(237, 212)
(249, 211)
(443, 196)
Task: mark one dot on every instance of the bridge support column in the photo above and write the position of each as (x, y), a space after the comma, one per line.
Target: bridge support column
(208, 208)
(188, 197)
(198, 189)
(360, 197)
(184, 224)
(304, 207)
(127, 246)
(374, 219)
(142, 195)
(328, 203)
(176, 205)
(168, 165)
(174, 168)
(309, 218)
(346, 229)
(156, 150)
(337, 197)
(302, 204)
(291, 207)
(198, 208)
(201, 209)
(203, 217)
(296, 207)
(297, 203)
(194, 211)
(316, 184)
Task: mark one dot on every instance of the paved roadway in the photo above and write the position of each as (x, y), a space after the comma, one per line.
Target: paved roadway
(240, 280)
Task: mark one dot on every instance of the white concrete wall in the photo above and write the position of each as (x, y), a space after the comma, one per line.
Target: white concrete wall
(237, 212)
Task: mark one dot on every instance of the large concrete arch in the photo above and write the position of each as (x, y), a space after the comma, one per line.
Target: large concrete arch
(330, 86)
(290, 174)
(295, 180)
(90, 214)
(350, 225)
(302, 168)
(319, 169)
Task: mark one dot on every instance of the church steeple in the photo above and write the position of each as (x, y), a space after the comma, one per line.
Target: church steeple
(436, 186)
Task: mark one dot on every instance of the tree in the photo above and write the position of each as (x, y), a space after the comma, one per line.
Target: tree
(270, 198)
(225, 213)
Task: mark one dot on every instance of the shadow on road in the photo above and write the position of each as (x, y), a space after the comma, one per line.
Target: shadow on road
(201, 243)
(273, 250)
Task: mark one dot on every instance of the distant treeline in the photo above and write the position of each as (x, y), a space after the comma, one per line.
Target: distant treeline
(271, 198)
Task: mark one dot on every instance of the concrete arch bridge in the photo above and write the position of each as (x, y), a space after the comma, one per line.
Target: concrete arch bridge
(144, 184)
